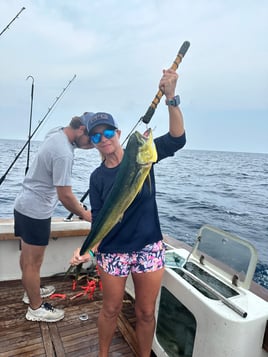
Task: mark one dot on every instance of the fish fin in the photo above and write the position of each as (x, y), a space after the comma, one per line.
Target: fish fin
(87, 243)
(120, 218)
(69, 271)
(149, 182)
(74, 270)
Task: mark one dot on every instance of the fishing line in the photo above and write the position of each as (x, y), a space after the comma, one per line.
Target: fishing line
(23, 8)
(150, 111)
(40, 123)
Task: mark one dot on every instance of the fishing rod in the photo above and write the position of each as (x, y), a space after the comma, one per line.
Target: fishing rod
(150, 112)
(30, 126)
(23, 8)
(40, 123)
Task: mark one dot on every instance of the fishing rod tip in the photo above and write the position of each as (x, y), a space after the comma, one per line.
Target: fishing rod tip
(30, 77)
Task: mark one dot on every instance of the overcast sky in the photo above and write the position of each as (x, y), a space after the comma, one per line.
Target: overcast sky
(118, 49)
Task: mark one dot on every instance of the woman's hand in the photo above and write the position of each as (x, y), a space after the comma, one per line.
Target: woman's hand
(168, 83)
(78, 259)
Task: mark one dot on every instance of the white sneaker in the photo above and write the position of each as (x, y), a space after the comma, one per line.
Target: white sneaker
(46, 313)
(45, 291)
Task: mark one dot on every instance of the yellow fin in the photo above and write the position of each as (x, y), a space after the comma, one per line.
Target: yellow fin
(120, 218)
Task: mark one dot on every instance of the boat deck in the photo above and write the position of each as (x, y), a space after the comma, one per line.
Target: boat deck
(69, 337)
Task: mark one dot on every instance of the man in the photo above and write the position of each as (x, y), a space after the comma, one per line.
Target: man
(47, 181)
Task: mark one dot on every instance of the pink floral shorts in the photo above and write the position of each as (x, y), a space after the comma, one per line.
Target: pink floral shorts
(150, 258)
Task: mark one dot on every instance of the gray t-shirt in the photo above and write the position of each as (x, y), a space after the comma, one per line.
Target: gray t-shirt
(51, 167)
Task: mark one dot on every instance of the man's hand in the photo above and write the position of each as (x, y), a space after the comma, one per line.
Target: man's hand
(86, 215)
(70, 202)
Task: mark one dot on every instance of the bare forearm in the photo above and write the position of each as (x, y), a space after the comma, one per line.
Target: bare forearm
(71, 203)
(176, 123)
(168, 86)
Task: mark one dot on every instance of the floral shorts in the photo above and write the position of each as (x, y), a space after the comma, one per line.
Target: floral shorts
(149, 259)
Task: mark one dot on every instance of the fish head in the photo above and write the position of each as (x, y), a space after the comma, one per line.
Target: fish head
(146, 151)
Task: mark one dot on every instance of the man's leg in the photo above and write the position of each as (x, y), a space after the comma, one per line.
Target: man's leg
(30, 262)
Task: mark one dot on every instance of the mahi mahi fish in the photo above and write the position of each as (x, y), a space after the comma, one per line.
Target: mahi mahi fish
(139, 155)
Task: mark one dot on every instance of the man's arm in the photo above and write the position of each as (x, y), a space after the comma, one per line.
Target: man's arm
(71, 203)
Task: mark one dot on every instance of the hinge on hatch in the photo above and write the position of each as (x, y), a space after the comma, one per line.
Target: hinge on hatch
(265, 339)
(235, 280)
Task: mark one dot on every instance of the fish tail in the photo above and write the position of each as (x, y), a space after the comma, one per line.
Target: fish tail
(149, 182)
(78, 271)
(69, 271)
(74, 270)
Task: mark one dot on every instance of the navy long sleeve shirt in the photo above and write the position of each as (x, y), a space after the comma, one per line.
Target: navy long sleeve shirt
(140, 224)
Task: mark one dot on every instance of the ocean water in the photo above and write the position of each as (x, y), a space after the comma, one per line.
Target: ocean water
(228, 190)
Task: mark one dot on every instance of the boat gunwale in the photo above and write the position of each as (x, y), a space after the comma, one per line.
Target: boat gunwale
(60, 229)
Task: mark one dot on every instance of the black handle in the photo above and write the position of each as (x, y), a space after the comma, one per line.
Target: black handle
(150, 112)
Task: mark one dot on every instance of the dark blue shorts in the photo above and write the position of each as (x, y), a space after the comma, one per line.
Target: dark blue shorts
(31, 230)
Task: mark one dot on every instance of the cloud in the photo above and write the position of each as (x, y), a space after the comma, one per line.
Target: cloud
(118, 51)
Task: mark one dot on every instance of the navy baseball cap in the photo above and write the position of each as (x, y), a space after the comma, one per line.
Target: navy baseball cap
(85, 118)
(91, 120)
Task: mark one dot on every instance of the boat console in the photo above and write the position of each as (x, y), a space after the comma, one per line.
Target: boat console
(205, 308)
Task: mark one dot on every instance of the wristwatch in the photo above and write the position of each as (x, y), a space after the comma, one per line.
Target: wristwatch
(174, 102)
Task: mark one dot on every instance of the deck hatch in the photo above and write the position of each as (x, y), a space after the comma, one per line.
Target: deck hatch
(231, 258)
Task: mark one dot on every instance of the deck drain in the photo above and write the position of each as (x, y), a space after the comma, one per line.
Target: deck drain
(83, 317)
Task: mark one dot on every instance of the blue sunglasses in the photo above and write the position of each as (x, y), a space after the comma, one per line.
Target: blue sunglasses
(107, 133)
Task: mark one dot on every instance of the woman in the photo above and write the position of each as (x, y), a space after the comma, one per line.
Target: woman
(135, 244)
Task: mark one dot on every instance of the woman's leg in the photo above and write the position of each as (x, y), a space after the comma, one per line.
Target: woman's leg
(113, 293)
(147, 286)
